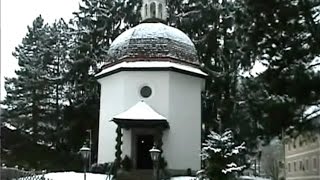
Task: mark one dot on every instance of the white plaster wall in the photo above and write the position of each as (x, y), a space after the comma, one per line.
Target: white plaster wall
(182, 143)
(159, 83)
(121, 91)
(111, 103)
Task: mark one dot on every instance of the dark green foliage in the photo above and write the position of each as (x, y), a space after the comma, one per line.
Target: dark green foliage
(79, 120)
(30, 155)
(26, 95)
(284, 40)
(162, 163)
(126, 163)
(230, 37)
(118, 147)
(222, 155)
(220, 32)
(189, 172)
(36, 98)
(59, 41)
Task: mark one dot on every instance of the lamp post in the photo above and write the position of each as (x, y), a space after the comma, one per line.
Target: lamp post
(90, 146)
(155, 154)
(85, 153)
(259, 161)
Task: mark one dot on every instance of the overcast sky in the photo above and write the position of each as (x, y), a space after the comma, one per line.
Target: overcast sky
(16, 15)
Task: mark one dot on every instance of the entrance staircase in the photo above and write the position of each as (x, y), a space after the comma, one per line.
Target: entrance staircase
(136, 174)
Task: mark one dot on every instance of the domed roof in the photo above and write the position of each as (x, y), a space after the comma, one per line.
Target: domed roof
(153, 40)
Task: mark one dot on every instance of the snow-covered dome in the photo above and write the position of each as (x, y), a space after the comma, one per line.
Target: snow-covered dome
(148, 41)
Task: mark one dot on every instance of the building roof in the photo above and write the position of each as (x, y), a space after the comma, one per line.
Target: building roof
(140, 115)
(153, 40)
(140, 111)
(151, 65)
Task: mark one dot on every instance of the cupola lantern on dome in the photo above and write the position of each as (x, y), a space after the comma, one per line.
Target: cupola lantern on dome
(154, 9)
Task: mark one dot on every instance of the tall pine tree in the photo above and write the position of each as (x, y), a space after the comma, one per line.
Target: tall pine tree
(26, 94)
(58, 53)
(36, 98)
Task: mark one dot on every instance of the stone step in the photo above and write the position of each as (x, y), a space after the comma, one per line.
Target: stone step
(135, 175)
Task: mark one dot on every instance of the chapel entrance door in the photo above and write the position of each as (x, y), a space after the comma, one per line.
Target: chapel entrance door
(144, 144)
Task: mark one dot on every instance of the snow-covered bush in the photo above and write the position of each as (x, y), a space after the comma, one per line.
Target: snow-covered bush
(222, 155)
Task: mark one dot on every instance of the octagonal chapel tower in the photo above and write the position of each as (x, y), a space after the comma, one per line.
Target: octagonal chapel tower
(151, 93)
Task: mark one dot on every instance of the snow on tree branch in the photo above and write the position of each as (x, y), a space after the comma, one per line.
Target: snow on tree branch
(222, 154)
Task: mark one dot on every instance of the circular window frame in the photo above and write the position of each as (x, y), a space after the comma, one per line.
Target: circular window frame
(149, 94)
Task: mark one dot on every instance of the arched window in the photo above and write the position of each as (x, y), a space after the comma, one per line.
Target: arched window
(160, 10)
(146, 10)
(153, 10)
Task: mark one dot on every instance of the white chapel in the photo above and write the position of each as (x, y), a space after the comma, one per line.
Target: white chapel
(151, 94)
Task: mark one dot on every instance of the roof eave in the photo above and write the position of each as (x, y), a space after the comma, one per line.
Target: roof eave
(175, 69)
(139, 123)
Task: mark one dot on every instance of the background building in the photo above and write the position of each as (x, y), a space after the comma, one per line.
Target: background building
(302, 157)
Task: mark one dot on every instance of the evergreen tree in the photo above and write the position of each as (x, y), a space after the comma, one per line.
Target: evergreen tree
(220, 30)
(230, 37)
(26, 94)
(220, 153)
(284, 40)
(36, 97)
(57, 84)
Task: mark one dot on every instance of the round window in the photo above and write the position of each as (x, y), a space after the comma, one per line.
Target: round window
(145, 91)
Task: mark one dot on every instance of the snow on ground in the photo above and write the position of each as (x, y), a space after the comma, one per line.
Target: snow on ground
(71, 176)
(183, 178)
(253, 178)
(91, 176)
(240, 178)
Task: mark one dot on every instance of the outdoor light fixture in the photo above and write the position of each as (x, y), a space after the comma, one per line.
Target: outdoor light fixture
(155, 155)
(90, 145)
(85, 153)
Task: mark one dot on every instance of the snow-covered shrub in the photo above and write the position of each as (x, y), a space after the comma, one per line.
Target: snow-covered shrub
(222, 155)
(99, 168)
(102, 168)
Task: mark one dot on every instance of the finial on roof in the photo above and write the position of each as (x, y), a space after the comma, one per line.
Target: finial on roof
(154, 9)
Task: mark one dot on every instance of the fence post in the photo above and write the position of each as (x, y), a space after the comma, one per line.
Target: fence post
(16, 171)
(43, 173)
